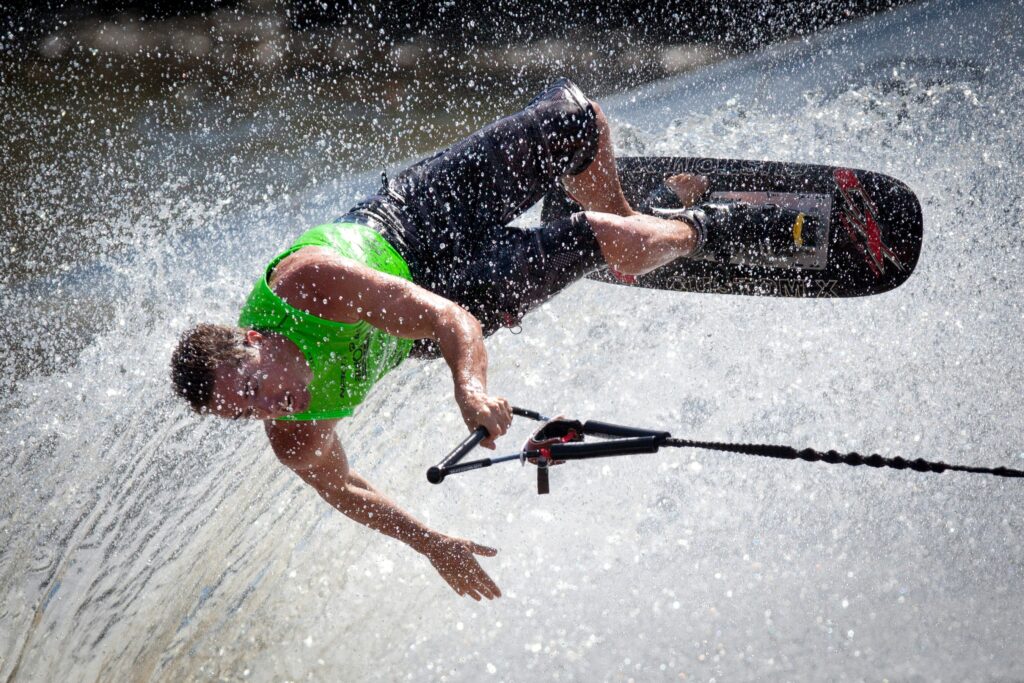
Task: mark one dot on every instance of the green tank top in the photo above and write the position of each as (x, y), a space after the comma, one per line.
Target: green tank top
(347, 359)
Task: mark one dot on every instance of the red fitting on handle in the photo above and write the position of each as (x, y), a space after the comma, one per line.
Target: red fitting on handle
(623, 277)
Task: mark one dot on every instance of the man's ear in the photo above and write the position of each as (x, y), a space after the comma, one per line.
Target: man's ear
(253, 338)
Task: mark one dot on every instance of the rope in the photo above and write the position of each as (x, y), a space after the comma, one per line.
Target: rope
(836, 458)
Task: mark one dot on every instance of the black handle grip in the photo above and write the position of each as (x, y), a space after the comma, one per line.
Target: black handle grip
(608, 430)
(527, 413)
(436, 474)
(603, 449)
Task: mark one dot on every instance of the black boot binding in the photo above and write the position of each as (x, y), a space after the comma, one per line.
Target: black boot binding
(739, 231)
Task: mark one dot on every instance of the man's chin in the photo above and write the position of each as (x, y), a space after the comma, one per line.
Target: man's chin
(300, 403)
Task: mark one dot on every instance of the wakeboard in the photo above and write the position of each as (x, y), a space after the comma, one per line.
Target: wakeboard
(869, 228)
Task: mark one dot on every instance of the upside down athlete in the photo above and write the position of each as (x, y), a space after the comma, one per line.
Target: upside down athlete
(428, 267)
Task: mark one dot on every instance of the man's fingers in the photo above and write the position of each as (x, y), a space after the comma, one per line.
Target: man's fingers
(485, 587)
(496, 426)
(494, 415)
(491, 587)
(494, 429)
(484, 583)
(463, 573)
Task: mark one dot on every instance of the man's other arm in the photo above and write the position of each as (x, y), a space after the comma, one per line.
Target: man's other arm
(313, 451)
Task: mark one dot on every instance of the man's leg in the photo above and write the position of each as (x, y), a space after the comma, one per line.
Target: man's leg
(638, 244)
(518, 269)
(454, 206)
(459, 201)
(632, 243)
(597, 187)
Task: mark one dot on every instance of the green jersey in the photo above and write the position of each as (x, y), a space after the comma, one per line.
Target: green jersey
(347, 359)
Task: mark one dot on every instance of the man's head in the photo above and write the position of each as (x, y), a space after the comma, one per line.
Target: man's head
(238, 373)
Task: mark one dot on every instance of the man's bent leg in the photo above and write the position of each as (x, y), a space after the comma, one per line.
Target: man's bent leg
(637, 244)
(597, 187)
(523, 268)
(631, 243)
(486, 180)
(526, 267)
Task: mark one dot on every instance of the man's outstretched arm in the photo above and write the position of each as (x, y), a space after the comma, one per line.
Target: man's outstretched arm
(314, 452)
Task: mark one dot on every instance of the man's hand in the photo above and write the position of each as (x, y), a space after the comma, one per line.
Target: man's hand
(454, 560)
(480, 410)
(313, 451)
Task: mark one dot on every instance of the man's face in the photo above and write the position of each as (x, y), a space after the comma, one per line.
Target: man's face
(271, 382)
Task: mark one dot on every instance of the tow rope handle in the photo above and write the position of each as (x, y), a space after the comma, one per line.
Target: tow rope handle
(621, 440)
(450, 464)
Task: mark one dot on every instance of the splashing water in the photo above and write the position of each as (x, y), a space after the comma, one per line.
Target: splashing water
(141, 542)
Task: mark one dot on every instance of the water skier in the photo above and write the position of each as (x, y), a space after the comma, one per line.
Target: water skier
(428, 267)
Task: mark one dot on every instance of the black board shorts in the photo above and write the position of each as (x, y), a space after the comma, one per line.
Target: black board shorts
(448, 215)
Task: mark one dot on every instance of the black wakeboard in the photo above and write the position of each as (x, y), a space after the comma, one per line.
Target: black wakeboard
(869, 237)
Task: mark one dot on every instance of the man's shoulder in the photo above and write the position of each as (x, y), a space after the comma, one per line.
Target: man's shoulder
(309, 264)
(315, 279)
(297, 439)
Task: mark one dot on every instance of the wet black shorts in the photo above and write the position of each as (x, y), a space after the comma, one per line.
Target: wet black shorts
(448, 215)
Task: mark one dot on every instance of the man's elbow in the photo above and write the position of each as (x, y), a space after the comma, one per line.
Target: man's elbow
(453, 318)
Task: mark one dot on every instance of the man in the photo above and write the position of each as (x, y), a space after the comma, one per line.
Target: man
(428, 267)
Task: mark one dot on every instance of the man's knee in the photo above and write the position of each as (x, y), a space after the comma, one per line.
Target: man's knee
(599, 117)
(605, 224)
(568, 122)
(572, 235)
(622, 246)
(597, 131)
